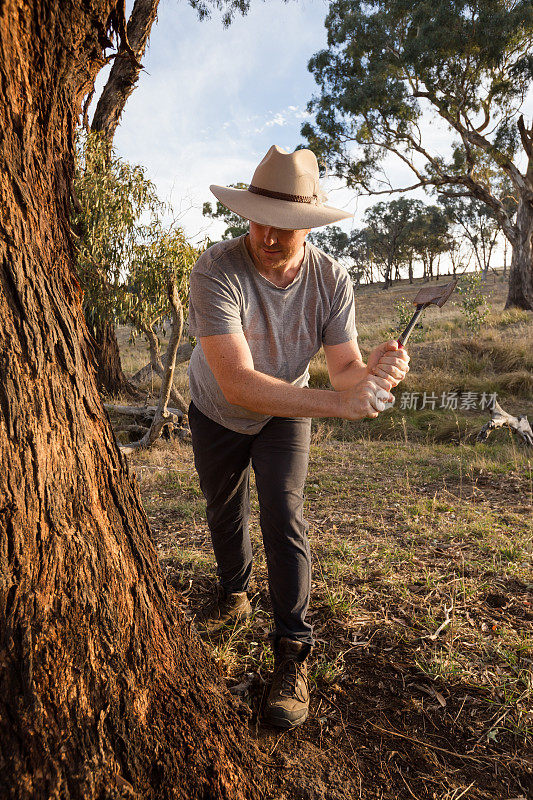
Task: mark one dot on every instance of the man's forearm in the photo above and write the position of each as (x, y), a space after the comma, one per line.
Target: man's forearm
(267, 395)
(350, 375)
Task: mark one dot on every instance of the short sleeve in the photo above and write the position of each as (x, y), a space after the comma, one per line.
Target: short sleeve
(213, 306)
(340, 324)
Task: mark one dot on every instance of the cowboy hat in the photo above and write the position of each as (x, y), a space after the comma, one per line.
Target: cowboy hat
(284, 193)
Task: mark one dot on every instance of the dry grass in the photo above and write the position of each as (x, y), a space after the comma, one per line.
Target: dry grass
(401, 544)
(422, 595)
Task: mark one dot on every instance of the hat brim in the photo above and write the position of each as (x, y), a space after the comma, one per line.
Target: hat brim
(282, 214)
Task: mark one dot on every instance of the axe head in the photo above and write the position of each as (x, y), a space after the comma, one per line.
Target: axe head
(436, 296)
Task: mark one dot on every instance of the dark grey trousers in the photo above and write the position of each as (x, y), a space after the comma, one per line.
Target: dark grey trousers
(279, 455)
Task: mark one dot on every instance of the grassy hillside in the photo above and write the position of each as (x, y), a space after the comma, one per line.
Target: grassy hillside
(422, 596)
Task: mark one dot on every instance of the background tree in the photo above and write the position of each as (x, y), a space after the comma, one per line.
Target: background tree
(430, 237)
(362, 267)
(333, 240)
(112, 198)
(159, 271)
(476, 222)
(104, 691)
(389, 232)
(350, 249)
(126, 256)
(469, 61)
(121, 82)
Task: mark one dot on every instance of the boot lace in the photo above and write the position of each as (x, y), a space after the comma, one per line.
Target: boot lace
(287, 677)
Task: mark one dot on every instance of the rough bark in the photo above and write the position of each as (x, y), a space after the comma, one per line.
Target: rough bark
(125, 70)
(104, 690)
(521, 272)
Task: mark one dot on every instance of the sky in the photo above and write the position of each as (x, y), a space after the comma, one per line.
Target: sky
(211, 101)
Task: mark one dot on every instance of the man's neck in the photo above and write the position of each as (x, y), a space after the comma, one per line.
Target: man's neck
(280, 276)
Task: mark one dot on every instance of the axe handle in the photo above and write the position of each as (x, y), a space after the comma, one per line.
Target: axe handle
(403, 337)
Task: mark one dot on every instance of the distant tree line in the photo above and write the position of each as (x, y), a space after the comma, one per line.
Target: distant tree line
(400, 235)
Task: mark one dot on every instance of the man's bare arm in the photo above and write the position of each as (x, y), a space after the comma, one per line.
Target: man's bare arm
(345, 364)
(230, 360)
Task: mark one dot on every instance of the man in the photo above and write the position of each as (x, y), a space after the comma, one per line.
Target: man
(261, 306)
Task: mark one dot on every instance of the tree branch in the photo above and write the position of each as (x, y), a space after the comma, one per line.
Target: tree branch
(162, 415)
(125, 71)
(526, 136)
(475, 188)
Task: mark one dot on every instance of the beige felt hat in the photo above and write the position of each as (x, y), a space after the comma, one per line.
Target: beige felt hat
(284, 193)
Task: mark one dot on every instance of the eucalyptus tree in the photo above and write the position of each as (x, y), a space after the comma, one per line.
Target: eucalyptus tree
(389, 234)
(361, 267)
(156, 288)
(121, 82)
(112, 198)
(333, 240)
(235, 225)
(469, 63)
(350, 249)
(430, 236)
(126, 256)
(475, 221)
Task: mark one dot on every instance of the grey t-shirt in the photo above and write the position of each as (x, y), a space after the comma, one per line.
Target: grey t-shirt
(284, 328)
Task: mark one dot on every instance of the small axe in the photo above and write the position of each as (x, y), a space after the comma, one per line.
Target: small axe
(426, 297)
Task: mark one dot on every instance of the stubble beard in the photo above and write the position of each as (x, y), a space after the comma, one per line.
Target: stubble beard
(270, 262)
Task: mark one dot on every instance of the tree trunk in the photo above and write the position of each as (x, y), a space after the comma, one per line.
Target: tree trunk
(125, 72)
(521, 271)
(153, 344)
(183, 354)
(162, 415)
(109, 375)
(121, 82)
(104, 690)
(156, 364)
(504, 256)
(388, 269)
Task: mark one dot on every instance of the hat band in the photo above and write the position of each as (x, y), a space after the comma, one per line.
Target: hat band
(293, 198)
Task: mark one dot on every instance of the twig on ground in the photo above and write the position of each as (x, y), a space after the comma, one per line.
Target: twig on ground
(443, 625)
(426, 744)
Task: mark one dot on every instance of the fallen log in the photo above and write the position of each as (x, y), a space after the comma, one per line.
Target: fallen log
(140, 411)
(500, 419)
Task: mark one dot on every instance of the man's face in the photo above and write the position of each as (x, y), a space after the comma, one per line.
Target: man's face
(273, 248)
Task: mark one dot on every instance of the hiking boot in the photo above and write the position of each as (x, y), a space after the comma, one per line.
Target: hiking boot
(230, 609)
(287, 704)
